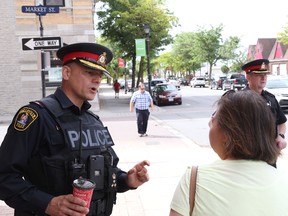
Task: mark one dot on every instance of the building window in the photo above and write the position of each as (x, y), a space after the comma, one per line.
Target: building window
(60, 3)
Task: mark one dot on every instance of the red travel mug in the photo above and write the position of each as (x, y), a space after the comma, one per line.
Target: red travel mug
(83, 188)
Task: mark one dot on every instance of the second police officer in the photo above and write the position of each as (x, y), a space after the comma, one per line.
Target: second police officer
(257, 72)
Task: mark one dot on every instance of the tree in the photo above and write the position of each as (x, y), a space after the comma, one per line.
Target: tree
(225, 69)
(165, 61)
(283, 36)
(210, 47)
(121, 21)
(238, 61)
(184, 52)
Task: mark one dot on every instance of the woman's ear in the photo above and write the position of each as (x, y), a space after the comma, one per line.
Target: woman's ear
(225, 137)
(66, 71)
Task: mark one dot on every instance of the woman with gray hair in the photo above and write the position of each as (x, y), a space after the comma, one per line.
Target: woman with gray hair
(243, 182)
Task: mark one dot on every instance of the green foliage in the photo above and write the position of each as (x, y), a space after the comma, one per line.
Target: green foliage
(238, 61)
(225, 69)
(121, 21)
(164, 61)
(191, 49)
(184, 48)
(283, 36)
(210, 47)
(208, 44)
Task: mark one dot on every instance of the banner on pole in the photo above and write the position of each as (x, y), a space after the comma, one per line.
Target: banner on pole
(140, 47)
(121, 63)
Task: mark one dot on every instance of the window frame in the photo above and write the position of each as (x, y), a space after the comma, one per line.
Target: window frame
(61, 3)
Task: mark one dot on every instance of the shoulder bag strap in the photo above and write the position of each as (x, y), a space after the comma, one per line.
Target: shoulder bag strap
(192, 187)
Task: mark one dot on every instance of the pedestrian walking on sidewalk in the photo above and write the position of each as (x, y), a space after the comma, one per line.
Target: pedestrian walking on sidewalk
(55, 140)
(243, 182)
(116, 87)
(141, 100)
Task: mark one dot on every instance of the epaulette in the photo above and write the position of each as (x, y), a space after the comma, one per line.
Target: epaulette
(93, 114)
(269, 94)
(37, 103)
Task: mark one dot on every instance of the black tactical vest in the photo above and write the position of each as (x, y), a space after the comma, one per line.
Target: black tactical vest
(87, 154)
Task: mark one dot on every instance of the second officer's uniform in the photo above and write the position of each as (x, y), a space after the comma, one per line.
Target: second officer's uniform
(51, 142)
(261, 66)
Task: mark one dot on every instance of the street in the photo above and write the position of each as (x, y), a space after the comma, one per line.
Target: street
(192, 117)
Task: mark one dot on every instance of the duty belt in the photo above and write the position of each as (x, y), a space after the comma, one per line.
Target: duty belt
(97, 208)
(25, 213)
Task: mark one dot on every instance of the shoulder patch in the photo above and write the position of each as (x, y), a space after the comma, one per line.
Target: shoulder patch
(25, 117)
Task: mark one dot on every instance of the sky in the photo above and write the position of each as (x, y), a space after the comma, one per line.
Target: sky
(246, 19)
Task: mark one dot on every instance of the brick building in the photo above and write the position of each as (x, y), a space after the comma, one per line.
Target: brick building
(20, 70)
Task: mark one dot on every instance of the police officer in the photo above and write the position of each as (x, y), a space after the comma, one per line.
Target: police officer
(55, 140)
(256, 74)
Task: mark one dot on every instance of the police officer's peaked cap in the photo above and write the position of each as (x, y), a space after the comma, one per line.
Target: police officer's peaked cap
(259, 66)
(91, 55)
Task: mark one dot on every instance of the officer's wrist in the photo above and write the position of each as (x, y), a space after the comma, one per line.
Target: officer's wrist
(122, 183)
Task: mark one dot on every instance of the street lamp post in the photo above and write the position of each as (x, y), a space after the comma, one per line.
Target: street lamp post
(147, 31)
(125, 83)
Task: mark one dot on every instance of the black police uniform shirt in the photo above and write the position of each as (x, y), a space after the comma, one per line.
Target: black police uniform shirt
(30, 135)
(274, 106)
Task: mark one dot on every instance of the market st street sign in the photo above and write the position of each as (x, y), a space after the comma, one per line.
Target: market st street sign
(41, 43)
(40, 10)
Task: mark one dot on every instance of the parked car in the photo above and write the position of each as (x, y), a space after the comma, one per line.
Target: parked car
(279, 87)
(146, 84)
(236, 81)
(174, 82)
(184, 81)
(197, 81)
(217, 83)
(154, 82)
(166, 93)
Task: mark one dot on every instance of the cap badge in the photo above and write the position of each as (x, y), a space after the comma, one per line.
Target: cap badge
(102, 59)
(263, 66)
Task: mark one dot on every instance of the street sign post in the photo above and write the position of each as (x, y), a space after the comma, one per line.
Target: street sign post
(41, 43)
(40, 10)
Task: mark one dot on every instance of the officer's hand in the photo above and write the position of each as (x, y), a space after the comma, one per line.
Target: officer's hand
(67, 205)
(281, 143)
(138, 174)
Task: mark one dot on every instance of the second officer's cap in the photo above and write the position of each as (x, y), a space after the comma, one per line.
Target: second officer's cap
(91, 55)
(259, 66)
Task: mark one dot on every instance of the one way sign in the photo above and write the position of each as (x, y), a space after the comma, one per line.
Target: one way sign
(41, 43)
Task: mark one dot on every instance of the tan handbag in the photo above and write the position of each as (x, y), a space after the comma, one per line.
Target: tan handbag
(192, 188)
